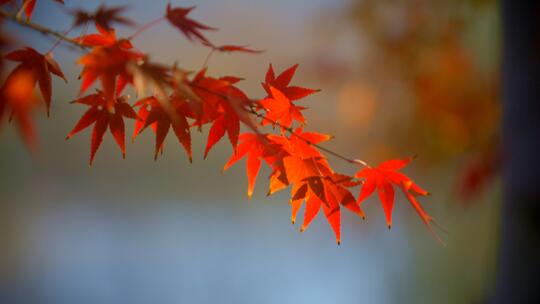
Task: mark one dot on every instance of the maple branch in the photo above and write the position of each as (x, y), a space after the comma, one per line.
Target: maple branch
(288, 129)
(291, 131)
(40, 28)
(57, 43)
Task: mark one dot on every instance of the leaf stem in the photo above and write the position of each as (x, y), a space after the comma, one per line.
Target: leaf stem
(205, 63)
(145, 27)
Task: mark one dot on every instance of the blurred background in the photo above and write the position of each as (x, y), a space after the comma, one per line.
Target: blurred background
(398, 78)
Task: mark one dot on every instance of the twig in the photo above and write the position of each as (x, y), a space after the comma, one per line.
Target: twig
(40, 28)
(205, 63)
(145, 27)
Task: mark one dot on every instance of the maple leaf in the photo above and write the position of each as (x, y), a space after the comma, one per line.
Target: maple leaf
(229, 48)
(282, 81)
(224, 106)
(384, 178)
(41, 66)
(102, 116)
(108, 61)
(102, 17)
(177, 17)
(279, 109)
(161, 122)
(312, 180)
(17, 96)
(207, 92)
(300, 143)
(333, 189)
(147, 76)
(105, 38)
(257, 148)
(314, 183)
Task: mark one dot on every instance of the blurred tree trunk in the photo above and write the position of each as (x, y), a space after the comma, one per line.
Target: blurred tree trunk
(518, 274)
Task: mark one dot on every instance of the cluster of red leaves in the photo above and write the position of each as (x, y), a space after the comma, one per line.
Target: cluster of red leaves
(296, 161)
(171, 98)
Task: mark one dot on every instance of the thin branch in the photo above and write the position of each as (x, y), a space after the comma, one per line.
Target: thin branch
(21, 9)
(145, 27)
(205, 63)
(288, 130)
(57, 43)
(40, 28)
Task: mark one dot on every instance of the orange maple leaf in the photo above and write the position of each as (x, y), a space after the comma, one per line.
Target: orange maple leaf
(330, 192)
(314, 183)
(17, 96)
(384, 178)
(279, 109)
(257, 148)
(108, 61)
(300, 143)
(282, 81)
(104, 37)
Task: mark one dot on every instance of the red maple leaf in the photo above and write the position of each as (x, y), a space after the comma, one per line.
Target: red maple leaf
(224, 106)
(177, 16)
(298, 146)
(300, 143)
(102, 116)
(103, 37)
(331, 193)
(257, 148)
(384, 178)
(282, 81)
(280, 109)
(17, 96)
(312, 180)
(229, 48)
(41, 66)
(151, 113)
(108, 61)
(314, 183)
(102, 17)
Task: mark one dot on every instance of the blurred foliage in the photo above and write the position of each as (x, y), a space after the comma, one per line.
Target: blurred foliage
(430, 69)
(435, 65)
(430, 47)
